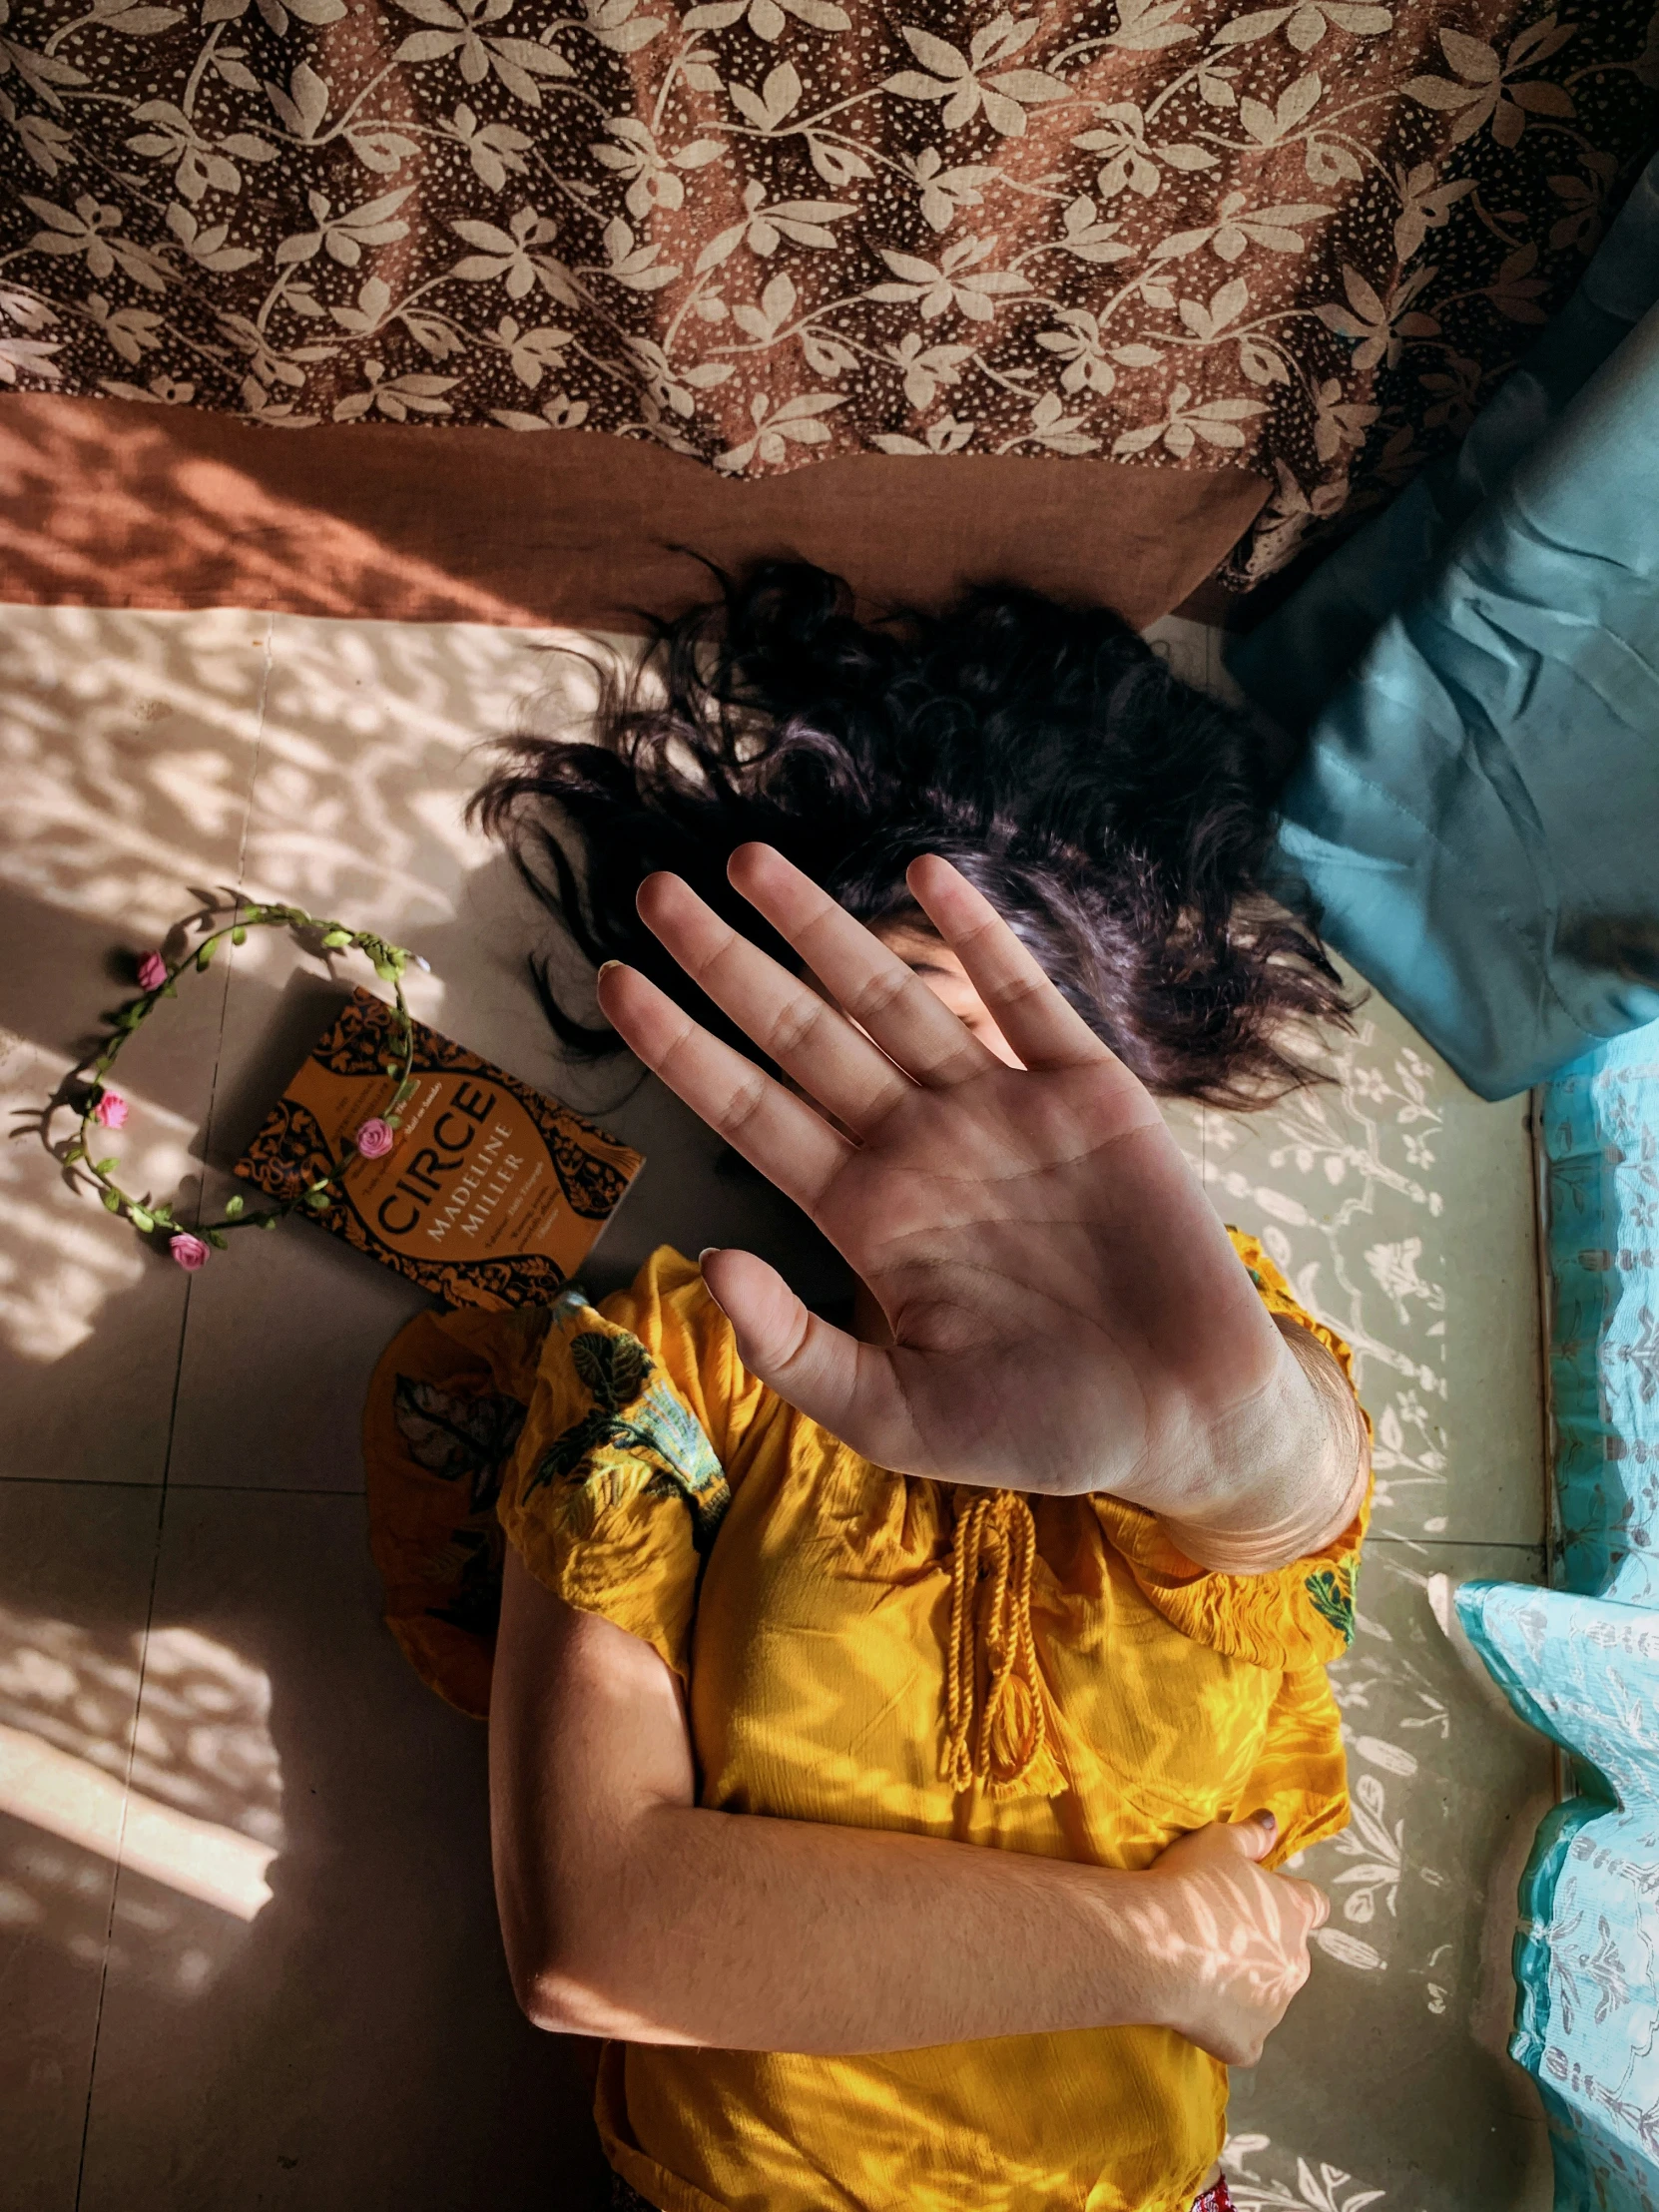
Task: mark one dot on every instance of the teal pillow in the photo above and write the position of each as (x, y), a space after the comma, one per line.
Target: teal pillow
(1477, 810)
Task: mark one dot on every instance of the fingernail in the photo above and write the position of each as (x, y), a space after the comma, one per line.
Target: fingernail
(1268, 1822)
(710, 1291)
(605, 967)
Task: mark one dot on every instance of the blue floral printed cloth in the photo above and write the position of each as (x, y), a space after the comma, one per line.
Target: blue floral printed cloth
(1581, 1661)
(1585, 1670)
(1478, 676)
(1601, 1123)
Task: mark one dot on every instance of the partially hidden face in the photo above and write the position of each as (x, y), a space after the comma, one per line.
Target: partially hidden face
(929, 957)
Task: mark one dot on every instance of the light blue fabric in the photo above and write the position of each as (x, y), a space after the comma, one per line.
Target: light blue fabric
(1477, 810)
(1581, 1661)
(1586, 1671)
(1600, 1126)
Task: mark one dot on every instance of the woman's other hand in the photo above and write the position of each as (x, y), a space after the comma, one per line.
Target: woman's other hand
(1067, 1314)
(1233, 1937)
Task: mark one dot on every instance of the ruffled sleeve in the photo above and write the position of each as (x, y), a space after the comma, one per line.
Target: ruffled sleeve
(1297, 1615)
(443, 1419)
(630, 1447)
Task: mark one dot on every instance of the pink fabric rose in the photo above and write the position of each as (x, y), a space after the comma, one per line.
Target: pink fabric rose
(152, 972)
(189, 1252)
(376, 1138)
(111, 1111)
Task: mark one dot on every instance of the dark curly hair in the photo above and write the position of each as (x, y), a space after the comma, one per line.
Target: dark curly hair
(1121, 821)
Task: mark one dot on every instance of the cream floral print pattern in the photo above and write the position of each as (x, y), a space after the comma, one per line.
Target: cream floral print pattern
(1303, 238)
(1363, 1194)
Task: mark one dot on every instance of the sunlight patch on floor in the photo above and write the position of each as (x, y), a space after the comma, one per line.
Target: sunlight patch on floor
(71, 1799)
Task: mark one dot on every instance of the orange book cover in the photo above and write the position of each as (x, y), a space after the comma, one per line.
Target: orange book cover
(492, 1195)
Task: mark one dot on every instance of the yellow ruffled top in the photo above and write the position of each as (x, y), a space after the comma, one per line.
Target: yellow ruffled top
(1046, 1675)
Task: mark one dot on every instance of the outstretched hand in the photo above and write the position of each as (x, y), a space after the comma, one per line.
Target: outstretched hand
(1066, 1311)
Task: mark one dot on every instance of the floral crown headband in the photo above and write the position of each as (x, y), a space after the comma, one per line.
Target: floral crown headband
(87, 1089)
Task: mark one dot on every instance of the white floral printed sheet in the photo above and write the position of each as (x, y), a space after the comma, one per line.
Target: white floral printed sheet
(1401, 1210)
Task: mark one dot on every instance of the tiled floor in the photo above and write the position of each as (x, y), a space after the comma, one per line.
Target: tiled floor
(247, 1953)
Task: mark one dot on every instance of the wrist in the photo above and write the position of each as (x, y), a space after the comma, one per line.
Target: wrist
(1129, 1923)
(1291, 1476)
(1164, 1916)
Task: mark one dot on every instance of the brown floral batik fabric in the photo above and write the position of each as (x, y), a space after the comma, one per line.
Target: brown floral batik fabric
(1303, 238)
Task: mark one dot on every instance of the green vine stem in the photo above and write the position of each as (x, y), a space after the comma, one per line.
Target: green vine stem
(158, 973)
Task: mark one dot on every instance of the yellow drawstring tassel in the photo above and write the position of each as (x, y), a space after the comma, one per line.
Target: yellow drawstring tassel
(1008, 1752)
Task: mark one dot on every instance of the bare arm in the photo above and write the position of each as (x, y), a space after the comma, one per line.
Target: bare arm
(629, 1910)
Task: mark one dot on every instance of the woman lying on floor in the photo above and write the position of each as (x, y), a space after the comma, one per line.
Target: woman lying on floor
(894, 1734)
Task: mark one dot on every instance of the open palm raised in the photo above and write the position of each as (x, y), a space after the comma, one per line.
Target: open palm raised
(1067, 1314)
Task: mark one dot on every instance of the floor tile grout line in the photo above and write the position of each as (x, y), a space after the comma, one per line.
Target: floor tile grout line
(1452, 1543)
(264, 1489)
(172, 1429)
(114, 1482)
(216, 1489)
(120, 1830)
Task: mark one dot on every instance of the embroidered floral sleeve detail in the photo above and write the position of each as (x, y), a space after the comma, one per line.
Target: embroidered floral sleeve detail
(457, 1435)
(1332, 1592)
(596, 1446)
(637, 1439)
(619, 1485)
(465, 1438)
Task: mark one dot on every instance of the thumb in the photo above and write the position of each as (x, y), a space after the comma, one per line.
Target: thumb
(846, 1387)
(1254, 1838)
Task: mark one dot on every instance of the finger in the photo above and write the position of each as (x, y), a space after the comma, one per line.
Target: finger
(1318, 1904)
(808, 1038)
(774, 1130)
(1252, 1837)
(1032, 1013)
(879, 991)
(846, 1387)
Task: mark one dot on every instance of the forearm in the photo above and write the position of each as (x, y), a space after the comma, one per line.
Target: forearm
(1291, 1478)
(626, 1909)
(749, 1933)
(629, 1910)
